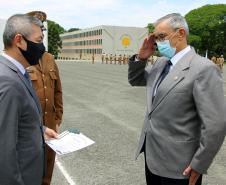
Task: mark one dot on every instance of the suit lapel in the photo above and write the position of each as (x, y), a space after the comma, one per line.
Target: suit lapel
(176, 75)
(152, 81)
(30, 89)
(156, 72)
(21, 76)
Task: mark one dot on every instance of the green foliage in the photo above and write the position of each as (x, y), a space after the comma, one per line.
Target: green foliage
(194, 40)
(150, 27)
(73, 29)
(54, 41)
(207, 26)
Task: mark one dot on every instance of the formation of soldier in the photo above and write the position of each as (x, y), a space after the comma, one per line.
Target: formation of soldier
(219, 61)
(113, 59)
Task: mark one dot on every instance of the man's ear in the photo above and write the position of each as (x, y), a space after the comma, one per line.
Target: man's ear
(181, 33)
(19, 41)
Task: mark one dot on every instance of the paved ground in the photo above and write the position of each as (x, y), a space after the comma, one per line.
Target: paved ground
(99, 101)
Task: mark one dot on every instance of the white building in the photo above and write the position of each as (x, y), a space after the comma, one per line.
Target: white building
(115, 40)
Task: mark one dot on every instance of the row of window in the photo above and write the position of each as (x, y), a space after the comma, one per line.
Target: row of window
(80, 51)
(83, 43)
(84, 34)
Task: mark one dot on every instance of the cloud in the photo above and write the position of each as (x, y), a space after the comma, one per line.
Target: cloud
(89, 13)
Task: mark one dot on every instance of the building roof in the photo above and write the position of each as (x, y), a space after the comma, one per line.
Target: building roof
(99, 27)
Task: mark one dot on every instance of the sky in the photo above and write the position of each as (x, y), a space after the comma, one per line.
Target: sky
(88, 13)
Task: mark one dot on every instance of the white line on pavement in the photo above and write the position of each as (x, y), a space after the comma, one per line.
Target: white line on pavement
(64, 172)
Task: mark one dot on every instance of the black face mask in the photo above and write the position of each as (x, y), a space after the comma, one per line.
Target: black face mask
(34, 51)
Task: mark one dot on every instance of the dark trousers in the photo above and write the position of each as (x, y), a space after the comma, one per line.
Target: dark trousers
(50, 160)
(153, 179)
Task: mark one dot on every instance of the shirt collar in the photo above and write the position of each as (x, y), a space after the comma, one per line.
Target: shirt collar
(179, 55)
(15, 62)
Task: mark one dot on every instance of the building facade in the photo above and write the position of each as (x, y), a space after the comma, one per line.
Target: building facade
(101, 40)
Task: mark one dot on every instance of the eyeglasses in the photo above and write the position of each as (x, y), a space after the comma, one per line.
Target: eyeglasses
(159, 37)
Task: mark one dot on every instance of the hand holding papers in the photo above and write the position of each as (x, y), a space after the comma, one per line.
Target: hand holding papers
(69, 142)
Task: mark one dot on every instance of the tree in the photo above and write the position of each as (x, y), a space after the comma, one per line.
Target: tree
(54, 40)
(194, 40)
(207, 26)
(150, 27)
(73, 29)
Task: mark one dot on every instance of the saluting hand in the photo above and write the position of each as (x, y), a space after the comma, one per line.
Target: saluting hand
(147, 48)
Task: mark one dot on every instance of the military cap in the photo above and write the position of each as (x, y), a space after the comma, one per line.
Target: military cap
(38, 14)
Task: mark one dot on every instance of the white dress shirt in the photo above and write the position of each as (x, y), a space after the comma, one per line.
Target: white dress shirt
(15, 62)
(179, 55)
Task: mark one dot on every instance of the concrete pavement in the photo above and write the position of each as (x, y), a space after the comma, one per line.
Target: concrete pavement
(99, 101)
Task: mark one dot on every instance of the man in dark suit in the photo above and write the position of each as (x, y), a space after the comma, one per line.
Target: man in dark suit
(21, 128)
(185, 120)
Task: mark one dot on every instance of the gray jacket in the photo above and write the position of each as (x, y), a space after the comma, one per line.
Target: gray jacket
(21, 135)
(186, 123)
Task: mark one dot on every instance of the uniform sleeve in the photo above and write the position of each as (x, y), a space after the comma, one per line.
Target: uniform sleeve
(9, 116)
(210, 103)
(58, 96)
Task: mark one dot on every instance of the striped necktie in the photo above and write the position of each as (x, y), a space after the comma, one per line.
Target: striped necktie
(164, 73)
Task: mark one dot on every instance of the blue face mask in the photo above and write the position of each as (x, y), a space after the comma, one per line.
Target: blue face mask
(165, 49)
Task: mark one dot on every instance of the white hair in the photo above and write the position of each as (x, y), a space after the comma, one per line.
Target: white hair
(19, 24)
(175, 21)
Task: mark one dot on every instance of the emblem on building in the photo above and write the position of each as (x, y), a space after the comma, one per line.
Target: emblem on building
(126, 40)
